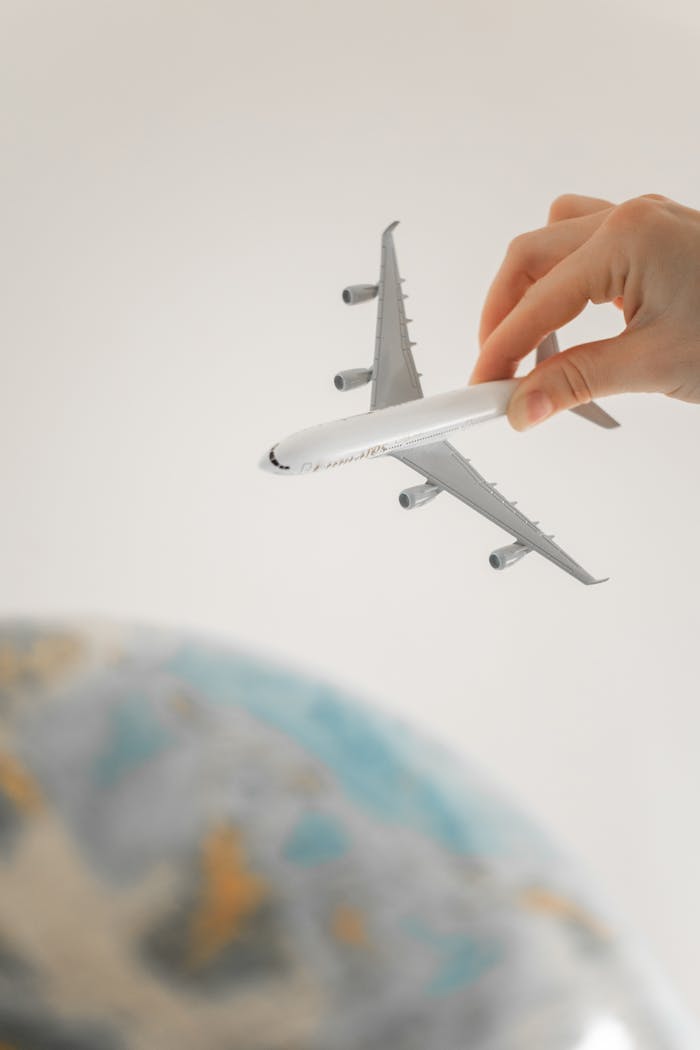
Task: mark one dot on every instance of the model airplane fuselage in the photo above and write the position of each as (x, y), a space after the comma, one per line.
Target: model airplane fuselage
(387, 431)
(414, 429)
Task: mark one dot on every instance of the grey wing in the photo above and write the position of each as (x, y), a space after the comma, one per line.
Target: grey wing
(394, 375)
(442, 465)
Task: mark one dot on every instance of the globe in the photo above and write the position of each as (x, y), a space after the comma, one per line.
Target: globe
(200, 849)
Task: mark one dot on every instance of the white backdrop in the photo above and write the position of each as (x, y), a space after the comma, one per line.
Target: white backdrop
(186, 189)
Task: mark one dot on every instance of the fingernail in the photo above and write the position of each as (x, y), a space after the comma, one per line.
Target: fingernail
(531, 409)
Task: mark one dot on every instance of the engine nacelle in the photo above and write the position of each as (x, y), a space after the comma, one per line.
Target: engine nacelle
(352, 378)
(418, 495)
(504, 557)
(359, 293)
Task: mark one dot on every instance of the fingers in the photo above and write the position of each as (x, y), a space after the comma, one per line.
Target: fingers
(529, 258)
(583, 373)
(552, 302)
(573, 205)
(572, 219)
(592, 251)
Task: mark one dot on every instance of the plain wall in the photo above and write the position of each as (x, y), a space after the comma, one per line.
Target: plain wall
(186, 187)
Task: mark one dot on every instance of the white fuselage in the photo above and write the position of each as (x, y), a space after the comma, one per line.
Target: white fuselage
(389, 430)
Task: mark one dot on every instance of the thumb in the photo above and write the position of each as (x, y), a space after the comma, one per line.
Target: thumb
(578, 375)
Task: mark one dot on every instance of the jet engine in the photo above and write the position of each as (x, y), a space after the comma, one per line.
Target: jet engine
(351, 378)
(359, 293)
(418, 495)
(504, 557)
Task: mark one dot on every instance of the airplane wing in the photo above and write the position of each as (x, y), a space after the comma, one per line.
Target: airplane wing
(442, 465)
(394, 375)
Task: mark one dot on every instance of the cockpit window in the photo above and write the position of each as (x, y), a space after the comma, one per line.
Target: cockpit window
(273, 459)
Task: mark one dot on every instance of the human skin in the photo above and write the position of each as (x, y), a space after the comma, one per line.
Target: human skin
(643, 255)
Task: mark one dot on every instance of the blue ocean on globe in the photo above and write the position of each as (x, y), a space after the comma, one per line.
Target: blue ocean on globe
(198, 848)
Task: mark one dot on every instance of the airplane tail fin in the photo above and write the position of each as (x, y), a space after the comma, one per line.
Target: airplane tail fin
(592, 411)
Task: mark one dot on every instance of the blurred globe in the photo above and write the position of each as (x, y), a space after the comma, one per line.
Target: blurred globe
(197, 849)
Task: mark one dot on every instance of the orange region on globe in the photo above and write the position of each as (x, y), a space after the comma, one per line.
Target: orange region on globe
(10, 670)
(47, 659)
(231, 894)
(19, 786)
(547, 902)
(348, 926)
(52, 656)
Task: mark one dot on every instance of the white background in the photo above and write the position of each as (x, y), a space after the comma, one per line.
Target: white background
(186, 187)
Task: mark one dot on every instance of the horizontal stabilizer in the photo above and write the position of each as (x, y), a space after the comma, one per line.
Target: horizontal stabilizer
(595, 414)
(592, 412)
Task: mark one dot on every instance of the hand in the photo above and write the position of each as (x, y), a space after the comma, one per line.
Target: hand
(644, 255)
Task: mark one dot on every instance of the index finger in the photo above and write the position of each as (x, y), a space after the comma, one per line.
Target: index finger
(529, 257)
(548, 304)
(572, 219)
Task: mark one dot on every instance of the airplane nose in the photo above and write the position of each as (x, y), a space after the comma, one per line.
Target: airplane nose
(272, 465)
(267, 465)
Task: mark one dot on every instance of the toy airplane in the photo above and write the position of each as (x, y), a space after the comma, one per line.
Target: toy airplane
(412, 428)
